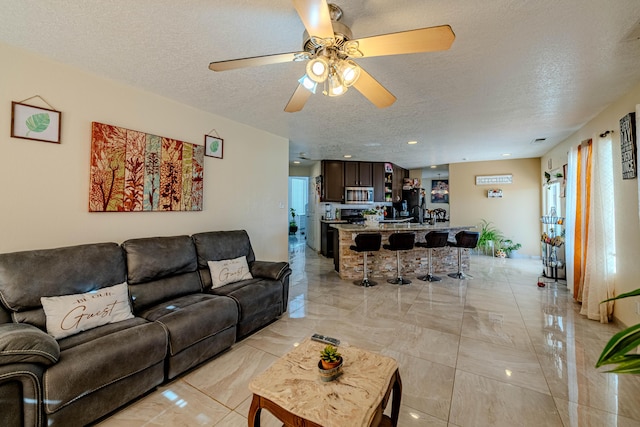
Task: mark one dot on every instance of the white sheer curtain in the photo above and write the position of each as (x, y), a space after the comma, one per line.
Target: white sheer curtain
(599, 267)
(570, 224)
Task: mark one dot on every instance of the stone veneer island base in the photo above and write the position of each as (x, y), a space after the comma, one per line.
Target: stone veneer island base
(383, 263)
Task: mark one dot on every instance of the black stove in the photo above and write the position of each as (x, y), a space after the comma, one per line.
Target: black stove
(352, 216)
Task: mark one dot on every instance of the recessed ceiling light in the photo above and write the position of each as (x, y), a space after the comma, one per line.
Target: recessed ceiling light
(433, 166)
(412, 142)
(347, 156)
(297, 162)
(506, 154)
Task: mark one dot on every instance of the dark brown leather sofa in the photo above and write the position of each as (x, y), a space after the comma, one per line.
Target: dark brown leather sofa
(178, 323)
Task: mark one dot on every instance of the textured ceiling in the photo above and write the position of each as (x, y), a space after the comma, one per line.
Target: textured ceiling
(518, 70)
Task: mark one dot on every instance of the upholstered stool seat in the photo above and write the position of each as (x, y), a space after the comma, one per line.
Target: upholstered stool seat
(400, 242)
(365, 243)
(464, 240)
(433, 239)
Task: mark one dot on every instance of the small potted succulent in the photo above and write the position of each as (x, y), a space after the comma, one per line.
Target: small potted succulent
(330, 364)
(330, 358)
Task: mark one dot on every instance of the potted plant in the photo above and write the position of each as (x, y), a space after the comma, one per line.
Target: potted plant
(621, 348)
(490, 237)
(293, 225)
(373, 216)
(510, 248)
(330, 358)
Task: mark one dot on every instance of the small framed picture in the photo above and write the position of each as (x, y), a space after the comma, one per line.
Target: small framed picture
(213, 146)
(39, 124)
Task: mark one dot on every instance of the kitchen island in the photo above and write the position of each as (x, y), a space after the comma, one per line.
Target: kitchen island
(383, 264)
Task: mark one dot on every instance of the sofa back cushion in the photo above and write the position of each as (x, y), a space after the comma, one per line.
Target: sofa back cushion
(27, 276)
(160, 268)
(221, 245)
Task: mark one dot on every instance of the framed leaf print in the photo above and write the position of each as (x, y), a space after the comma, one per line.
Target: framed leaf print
(39, 124)
(213, 146)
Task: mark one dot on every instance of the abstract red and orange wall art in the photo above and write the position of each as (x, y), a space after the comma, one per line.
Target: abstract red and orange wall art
(136, 171)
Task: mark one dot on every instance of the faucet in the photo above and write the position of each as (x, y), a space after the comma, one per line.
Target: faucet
(420, 213)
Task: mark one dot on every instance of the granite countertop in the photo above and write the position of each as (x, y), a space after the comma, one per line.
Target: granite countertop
(401, 226)
(388, 221)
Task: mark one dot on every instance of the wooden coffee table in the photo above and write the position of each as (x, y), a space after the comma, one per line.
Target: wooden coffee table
(292, 391)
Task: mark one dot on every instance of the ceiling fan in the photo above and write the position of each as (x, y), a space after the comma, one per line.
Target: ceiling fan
(329, 47)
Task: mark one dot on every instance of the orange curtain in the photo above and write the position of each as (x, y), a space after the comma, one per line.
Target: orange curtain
(583, 198)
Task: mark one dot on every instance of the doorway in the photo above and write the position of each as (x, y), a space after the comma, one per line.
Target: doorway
(298, 200)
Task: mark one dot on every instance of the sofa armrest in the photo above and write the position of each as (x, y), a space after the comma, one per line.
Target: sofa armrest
(270, 270)
(21, 395)
(23, 343)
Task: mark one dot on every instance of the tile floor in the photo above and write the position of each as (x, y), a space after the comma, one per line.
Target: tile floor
(492, 351)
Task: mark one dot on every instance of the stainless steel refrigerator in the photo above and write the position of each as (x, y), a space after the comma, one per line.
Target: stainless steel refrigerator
(415, 203)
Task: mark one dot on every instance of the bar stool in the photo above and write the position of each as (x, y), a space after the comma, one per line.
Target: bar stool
(464, 240)
(433, 239)
(400, 242)
(366, 242)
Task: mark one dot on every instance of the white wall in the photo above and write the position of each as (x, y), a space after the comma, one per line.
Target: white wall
(516, 214)
(44, 187)
(627, 225)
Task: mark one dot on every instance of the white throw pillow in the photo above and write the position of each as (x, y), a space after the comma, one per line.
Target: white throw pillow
(70, 314)
(229, 271)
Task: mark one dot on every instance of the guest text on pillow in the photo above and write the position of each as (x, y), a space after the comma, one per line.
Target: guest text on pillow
(70, 314)
(229, 271)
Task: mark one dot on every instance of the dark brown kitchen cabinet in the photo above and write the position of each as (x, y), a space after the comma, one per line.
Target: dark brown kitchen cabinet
(378, 182)
(326, 239)
(333, 181)
(399, 174)
(358, 174)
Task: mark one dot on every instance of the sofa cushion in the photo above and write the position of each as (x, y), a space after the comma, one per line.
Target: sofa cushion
(160, 269)
(21, 343)
(252, 296)
(27, 276)
(193, 318)
(219, 245)
(157, 257)
(108, 357)
(228, 271)
(71, 314)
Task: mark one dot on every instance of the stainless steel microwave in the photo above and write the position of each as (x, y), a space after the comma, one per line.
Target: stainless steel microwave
(358, 195)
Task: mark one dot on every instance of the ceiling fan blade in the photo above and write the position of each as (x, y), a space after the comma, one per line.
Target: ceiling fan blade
(298, 99)
(413, 41)
(373, 90)
(255, 61)
(316, 17)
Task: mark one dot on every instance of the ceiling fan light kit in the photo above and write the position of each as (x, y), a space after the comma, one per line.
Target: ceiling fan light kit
(336, 88)
(308, 84)
(328, 46)
(318, 69)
